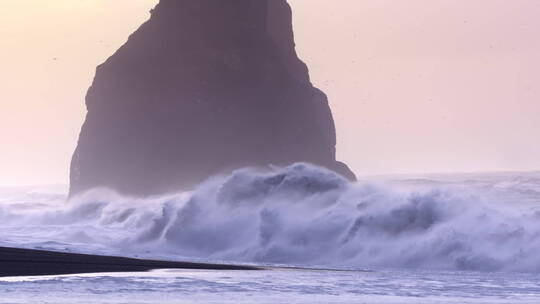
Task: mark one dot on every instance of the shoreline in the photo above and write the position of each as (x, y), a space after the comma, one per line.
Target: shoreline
(32, 262)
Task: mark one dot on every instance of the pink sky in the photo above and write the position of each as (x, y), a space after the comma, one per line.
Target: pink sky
(415, 86)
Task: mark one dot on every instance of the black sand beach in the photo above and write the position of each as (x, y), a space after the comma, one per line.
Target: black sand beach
(27, 262)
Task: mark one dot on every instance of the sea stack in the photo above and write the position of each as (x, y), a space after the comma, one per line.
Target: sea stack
(202, 88)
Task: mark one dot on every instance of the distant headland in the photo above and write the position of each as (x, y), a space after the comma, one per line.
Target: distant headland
(202, 88)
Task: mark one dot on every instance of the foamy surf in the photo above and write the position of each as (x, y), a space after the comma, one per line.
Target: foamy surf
(300, 215)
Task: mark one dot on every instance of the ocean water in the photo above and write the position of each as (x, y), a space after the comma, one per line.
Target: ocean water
(471, 238)
(279, 286)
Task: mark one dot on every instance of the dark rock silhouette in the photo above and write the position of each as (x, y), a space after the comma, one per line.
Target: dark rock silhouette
(203, 87)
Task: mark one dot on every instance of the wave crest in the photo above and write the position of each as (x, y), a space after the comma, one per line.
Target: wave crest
(299, 215)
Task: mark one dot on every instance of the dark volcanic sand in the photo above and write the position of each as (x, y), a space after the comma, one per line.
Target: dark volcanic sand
(27, 262)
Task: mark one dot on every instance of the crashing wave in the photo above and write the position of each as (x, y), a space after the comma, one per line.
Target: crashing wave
(300, 215)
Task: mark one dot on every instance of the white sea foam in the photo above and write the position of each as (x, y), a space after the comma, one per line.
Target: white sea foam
(300, 215)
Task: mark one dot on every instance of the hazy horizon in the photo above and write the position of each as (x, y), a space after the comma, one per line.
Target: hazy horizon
(416, 87)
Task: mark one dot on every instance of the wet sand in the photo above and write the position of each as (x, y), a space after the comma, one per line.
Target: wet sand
(28, 262)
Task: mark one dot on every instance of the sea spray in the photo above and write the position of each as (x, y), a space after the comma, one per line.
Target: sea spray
(300, 215)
